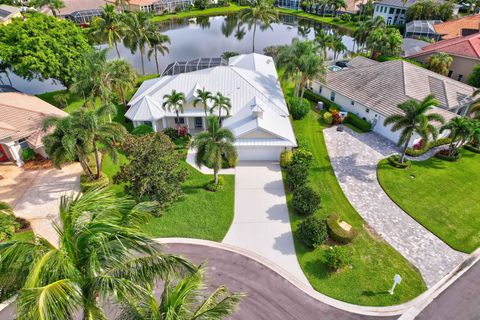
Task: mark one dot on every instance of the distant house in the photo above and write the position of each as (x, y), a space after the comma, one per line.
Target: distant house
(82, 12)
(465, 52)
(7, 13)
(352, 6)
(155, 6)
(259, 117)
(459, 27)
(393, 11)
(21, 124)
(372, 90)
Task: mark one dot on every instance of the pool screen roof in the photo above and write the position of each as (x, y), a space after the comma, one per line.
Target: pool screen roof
(178, 67)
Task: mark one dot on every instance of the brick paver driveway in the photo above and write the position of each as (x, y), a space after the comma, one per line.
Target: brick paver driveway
(354, 159)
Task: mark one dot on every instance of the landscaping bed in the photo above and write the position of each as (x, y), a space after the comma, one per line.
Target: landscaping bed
(441, 195)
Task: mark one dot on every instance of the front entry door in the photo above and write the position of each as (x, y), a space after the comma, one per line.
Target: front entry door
(3, 154)
(198, 122)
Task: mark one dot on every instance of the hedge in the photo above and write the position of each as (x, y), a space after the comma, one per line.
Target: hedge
(87, 184)
(432, 144)
(471, 148)
(315, 97)
(443, 155)
(337, 233)
(394, 161)
(358, 122)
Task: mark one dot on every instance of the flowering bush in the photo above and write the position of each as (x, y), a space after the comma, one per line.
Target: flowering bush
(337, 119)
(183, 131)
(418, 145)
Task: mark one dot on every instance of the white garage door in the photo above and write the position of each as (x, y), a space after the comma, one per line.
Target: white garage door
(259, 153)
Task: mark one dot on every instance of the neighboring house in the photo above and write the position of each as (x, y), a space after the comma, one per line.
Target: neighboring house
(288, 4)
(81, 12)
(411, 46)
(373, 90)
(7, 13)
(459, 27)
(156, 6)
(259, 117)
(422, 28)
(353, 7)
(21, 124)
(465, 52)
(393, 11)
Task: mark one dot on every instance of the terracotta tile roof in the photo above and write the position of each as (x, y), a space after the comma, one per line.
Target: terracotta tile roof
(142, 2)
(72, 6)
(23, 115)
(354, 6)
(468, 46)
(453, 28)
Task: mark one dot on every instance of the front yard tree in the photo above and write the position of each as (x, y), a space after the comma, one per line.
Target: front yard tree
(121, 78)
(102, 256)
(44, 47)
(460, 131)
(154, 171)
(213, 146)
(415, 118)
(175, 102)
(260, 12)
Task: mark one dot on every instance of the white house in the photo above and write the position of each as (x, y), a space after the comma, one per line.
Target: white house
(372, 90)
(259, 116)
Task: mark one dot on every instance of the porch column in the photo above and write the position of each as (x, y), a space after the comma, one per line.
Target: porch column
(15, 150)
(155, 125)
(164, 122)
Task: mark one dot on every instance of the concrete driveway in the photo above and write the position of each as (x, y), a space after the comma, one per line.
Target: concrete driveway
(35, 195)
(261, 223)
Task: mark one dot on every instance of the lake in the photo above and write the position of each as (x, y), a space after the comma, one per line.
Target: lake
(206, 37)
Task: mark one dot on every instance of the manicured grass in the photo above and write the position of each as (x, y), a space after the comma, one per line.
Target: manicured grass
(231, 8)
(199, 214)
(352, 26)
(24, 236)
(441, 195)
(374, 262)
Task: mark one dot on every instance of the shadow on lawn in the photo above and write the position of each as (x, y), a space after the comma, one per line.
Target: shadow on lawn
(370, 293)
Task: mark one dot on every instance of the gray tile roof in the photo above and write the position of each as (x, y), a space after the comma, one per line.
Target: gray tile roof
(399, 3)
(382, 86)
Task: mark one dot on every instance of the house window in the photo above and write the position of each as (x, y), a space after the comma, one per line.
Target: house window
(450, 73)
(148, 123)
(397, 11)
(332, 96)
(460, 76)
(391, 11)
(23, 143)
(320, 89)
(389, 21)
(385, 9)
(352, 102)
(367, 110)
(182, 121)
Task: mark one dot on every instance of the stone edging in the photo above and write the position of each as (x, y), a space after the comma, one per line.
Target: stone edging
(6, 303)
(363, 310)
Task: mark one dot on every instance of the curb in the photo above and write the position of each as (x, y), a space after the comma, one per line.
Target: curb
(8, 302)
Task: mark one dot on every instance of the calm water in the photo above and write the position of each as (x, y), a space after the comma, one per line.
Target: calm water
(206, 37)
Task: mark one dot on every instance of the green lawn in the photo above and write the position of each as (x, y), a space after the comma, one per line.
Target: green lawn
(199, 214)
(23, 236)
(374, 261)
(443, 196)
(231, 8)
(352, 26)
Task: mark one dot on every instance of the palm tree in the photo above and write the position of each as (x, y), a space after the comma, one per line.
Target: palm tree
(185, 300)
(158, 42)
(440, 62)
(360, 35)
(121, 78)
(460, 132)
(324, 41)
(415, 119)
(213, 146)
(137, 35)
(53, 5)
(203, 97)
(174, 102)
(337, 46)
(336, 5)
(109, 27)
(81, 133)
(474, 108)
(220, 102)
(259, 11)
(102, 256)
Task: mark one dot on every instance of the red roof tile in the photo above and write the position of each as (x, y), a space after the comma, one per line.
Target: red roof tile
(453, 28)
(468, 46)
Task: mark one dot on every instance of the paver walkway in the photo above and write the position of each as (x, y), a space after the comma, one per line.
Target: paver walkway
(354, 159)
(261, 223)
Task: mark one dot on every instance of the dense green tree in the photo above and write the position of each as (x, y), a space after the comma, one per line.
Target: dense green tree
(175, 102)
(381, 41)
(102, 256)
(213, 146)
(474, 78)
(204, 97)
(109, 27)
(154, 171)
(415, 118)
(121, 78)
(139, 26)
(430, 10)
(440, 62)
(53, 5)
(260, 12)
(44, 47)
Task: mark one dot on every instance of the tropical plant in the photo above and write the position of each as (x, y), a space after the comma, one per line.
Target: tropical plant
(101, 256)
(324, 41)
(138, 31)
(440, 62)
(474, 107)
(383, 41)
(336, 5)
(186, 300)
(81, 133)
(474, 77)
(213, 146)
(221, 103)
(53, 5)
(204, 97)
(460, 131)
(109, 26)
(175, 102)
(259, 12)
(121, 78)
(8, 223)
(158, 42)
(337, 46)
(415, 118)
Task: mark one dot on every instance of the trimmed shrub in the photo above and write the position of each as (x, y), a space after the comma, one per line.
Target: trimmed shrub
(338, 257)
(302, 156)
(443, 155)
(346, 17)
(142, 129)
(8, 223)
(305, 200)
(87, 184)
(28, 154)
(432, 144)
(394, 161)
(296, 176)
(312, 231)
(358, 122)
(328, 118)
(299, 108)
(471, 148)
(337, 233)
(286, 158)
(171, 133)
(214, 187)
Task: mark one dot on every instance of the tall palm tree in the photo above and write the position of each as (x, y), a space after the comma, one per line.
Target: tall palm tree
(259, 11)
(185, 300)
(213, 146)
(460, 132)
(415, 118)
(324, 41)
(336, 5)
(158, 42)
(81, 133)
(137, 35)
(53, 5)
(360, 35)
(221, 102)
(110, 27)
(440, 62)
(102, 256)
(121, 78)
(203, 97)
(337, 46)
(175, 102)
